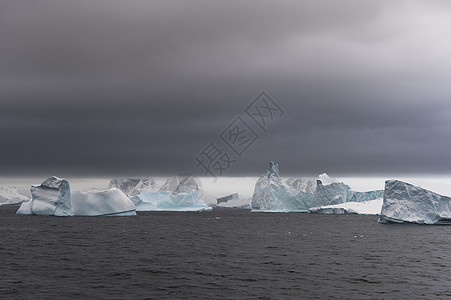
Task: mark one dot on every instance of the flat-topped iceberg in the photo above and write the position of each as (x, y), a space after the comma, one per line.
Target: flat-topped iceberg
(273, 195)
(9, 195)
(404, 202)
(111, 202)
(371, 207)
(168, 201)
(54, 198)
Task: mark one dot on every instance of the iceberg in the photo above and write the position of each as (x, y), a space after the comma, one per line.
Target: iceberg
(228, 198)
(133, 186)
(54, 198)
(111, 202)
(404, 202)
(233, 201)
(50, 198)
(9, 195)
(336, 193)
(371, 207)
(332, 193)
(273, 195)
(168, 201)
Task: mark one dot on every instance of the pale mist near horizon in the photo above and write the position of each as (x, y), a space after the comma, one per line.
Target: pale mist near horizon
(102, 89)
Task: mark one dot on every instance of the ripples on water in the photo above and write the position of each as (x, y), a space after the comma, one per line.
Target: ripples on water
(221, 254)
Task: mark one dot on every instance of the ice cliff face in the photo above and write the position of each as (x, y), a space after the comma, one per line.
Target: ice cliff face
(9, 195)
(51, 198)
(271, 194)
(354, 196)
(333, 193)
(167, 201)
(133, 186)
(404, 202)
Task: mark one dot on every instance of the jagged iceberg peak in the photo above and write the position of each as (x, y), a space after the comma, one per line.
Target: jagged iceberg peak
(404, 202)
(271, 194)
(325, 179)
(133, 186)
(273, 170)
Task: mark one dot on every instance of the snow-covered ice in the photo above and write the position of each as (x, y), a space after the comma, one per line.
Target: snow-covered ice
(272, 194)
(404, 202)
(371, 207)
(168, 201)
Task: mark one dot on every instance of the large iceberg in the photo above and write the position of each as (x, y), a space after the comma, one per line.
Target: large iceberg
(9, 195)
(111, 202)
(371, 207)
(54, 198)
(404, 202)
(50, 198)
(168, 201)
(273, 195)
(133, 186)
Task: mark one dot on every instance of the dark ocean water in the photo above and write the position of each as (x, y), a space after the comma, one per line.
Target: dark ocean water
(223, 254)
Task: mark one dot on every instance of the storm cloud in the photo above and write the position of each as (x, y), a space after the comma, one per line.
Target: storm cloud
(141, 87)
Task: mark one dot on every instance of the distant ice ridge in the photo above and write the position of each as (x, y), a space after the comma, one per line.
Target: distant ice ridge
(168, 201)
(271, 194)
(182, 183)
(404, 202)
(133, 186)
(53, 198)
(9, 195)
(371, 207)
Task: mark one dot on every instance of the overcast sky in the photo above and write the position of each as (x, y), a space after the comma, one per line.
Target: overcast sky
(130, 88)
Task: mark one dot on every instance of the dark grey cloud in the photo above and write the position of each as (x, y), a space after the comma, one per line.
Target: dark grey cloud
(141, 87)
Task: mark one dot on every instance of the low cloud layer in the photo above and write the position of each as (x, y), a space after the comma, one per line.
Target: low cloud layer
(141, 87)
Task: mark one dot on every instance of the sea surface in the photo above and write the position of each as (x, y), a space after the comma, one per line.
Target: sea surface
(222, 254)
